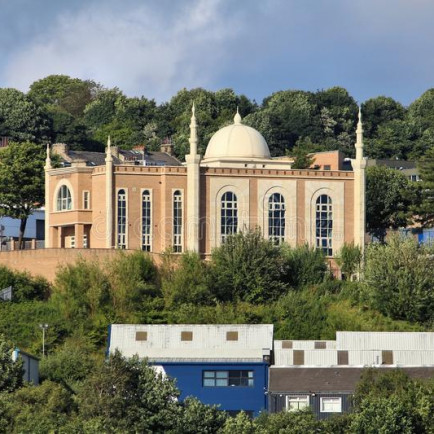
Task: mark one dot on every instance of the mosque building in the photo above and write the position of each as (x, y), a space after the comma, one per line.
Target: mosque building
(150, 201)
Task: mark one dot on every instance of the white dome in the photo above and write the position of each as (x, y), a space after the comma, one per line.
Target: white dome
(237, 141)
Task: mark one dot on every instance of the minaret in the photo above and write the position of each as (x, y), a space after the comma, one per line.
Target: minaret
(109, 194)
(47, 167)
(359, 166)
(193, 189)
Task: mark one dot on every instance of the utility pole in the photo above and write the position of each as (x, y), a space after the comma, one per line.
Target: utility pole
(43, 327)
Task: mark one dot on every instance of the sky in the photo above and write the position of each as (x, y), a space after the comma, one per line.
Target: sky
(154, 48)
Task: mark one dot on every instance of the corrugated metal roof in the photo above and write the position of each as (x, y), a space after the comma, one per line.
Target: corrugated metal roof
(192, 341)
(385, 340)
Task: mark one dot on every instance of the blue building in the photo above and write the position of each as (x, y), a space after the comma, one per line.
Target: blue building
(226, 365)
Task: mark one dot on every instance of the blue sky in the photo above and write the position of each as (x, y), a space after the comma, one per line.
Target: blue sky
(257, 47)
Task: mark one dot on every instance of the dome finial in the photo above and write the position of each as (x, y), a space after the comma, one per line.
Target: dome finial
(237, 118)
(359, 136)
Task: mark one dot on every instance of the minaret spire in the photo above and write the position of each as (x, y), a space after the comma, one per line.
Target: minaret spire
(48, 159)
(109, 156)
(193, 132)
(359, 136)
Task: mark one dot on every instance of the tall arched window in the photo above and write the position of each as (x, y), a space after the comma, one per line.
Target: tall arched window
(122, 220)
(276, 218)
(324, 224)
(146, 221)
(177, 221)
(229, 215)
(64, 201)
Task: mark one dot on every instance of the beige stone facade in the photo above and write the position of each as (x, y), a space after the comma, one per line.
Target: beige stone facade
(132, 204)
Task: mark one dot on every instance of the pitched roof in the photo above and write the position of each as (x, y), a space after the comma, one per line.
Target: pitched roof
(297, 379)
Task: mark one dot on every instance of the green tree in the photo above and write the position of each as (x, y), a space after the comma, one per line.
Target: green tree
(424, 208)
(21, 181)
(20, 119)
(389, 196)
(247, 267)
(349, 259)
(302, 265)
(186, 280)
(399, 278)
(127, 395)
(285, 422)
(11, 373)
(240, 424)
(39, 409)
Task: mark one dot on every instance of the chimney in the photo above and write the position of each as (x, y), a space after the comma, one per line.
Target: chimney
(61, 149)
(167, 146)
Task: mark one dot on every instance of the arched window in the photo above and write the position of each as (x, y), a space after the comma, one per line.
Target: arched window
(146, 221)
(64, 201)
(324, 224)
(177, 221)
(276, 218)
(229, 215)
(122, 220)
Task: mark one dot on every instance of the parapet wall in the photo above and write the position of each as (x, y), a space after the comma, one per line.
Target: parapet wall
(45, 262)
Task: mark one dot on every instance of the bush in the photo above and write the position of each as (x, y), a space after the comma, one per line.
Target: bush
(303, 265)
(24, 286)
(399, 279)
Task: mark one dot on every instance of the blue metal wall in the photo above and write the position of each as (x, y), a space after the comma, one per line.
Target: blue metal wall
(189, 381)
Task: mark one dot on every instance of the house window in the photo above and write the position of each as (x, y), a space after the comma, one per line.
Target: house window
(122, 220)
(229, 215)
(85, 244)
(276, 218)
(331, 405)
(72, 242)
(64, 201)
(238, 378)
(146, 221)
(141, 336)
(231, 336)
(297, 402)
(86, 201)
(177, 221)
(324, 224)
(186, 336)
(327, 167)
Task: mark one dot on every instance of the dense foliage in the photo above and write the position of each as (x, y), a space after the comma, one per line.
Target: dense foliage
(83, 113)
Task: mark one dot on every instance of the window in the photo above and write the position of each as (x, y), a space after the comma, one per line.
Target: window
(141, 336)
(146, 221)
(331, 405)
(327, 167)
(85, 245)
(122, 220)
(64, 201)
(227, 378)
(186, 336)
(297, 402)
(229, 215)
(231, 336)
(324, 224)
(72, 242)
(276, 218)
(177, 221)
(86, 202)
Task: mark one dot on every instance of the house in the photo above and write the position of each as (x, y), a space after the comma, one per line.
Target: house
(323, 374)
(225, 365)
(150, 201)
(30, 365)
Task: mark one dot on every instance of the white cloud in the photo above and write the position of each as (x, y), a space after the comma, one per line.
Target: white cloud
(141, 50)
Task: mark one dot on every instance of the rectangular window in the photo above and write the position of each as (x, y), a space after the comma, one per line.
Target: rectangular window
(86, 201)
(287, 345)
(327, 167)
(186, 336)
(297, 402)
(343, 357)
(320, 345)
(238, 378)
(298, 357)
(387, 357)
(72, 242)
(331, 405)
(141, 336)
(85, 245)
(231, 336)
